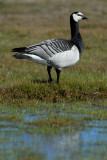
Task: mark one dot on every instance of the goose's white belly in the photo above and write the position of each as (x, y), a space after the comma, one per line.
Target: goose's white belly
(65, 59)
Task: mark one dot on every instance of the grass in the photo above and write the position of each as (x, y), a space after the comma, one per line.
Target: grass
(56, 114)
(37, 22)
(10, 118)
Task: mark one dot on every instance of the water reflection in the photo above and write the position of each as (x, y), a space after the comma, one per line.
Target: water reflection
(90, 142)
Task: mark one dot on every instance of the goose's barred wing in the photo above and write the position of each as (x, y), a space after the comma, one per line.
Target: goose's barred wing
(48, 48)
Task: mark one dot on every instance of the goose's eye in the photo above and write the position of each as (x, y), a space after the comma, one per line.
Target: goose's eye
(80, 15)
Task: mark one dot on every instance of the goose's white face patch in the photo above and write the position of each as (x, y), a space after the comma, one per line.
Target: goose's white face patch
(77, 16)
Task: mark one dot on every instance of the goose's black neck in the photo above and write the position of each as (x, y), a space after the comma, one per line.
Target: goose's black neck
(74, 28)
(75, 34)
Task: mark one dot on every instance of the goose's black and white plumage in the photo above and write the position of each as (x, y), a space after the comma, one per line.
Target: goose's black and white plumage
(57, 53)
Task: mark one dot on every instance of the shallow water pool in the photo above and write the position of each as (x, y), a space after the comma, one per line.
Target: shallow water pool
(24, 141)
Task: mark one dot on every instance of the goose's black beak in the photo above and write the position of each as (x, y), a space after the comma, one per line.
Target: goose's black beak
(84, 17)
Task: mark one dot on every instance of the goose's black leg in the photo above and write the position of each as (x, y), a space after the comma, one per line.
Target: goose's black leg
(58, 74)
(49, 73)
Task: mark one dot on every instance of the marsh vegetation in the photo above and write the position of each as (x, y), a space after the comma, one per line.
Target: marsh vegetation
(38, 119)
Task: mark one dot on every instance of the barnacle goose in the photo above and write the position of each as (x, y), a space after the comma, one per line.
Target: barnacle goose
(57, 53)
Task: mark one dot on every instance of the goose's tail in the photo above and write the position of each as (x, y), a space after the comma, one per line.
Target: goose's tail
(19, 50)
(22, 54)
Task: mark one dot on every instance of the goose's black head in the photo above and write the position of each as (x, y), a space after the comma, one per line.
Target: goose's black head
(77, 16)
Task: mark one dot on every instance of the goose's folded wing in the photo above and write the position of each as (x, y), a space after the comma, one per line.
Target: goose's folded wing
(49, 48)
